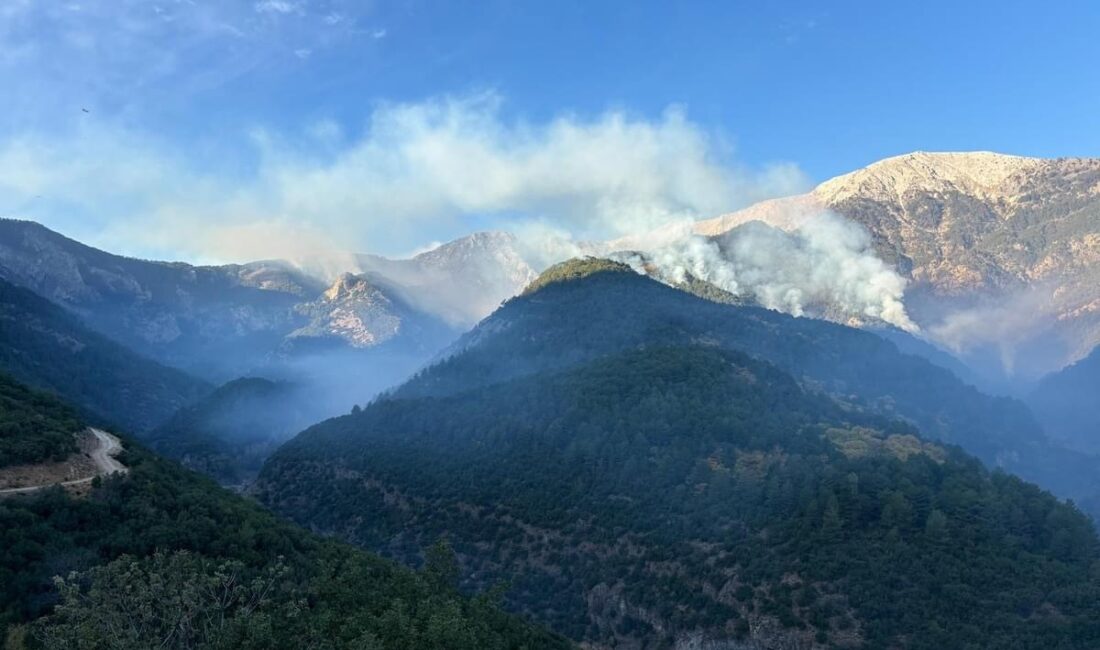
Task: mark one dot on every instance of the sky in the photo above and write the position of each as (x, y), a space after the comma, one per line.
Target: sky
(227, 131)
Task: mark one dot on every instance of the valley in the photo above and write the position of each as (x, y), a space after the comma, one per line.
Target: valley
(336, 325)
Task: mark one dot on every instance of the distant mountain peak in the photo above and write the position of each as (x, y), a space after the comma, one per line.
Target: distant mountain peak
(348, 285)
(461, 281)
(981, 173)
(1002, 252)
(353, 310)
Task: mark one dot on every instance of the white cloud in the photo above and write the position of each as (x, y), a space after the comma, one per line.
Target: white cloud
(600, 177)
(277, 7)
(418, 172)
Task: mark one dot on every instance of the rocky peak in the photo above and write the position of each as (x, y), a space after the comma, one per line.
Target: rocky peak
(349, 287)
(982, 174)
(352, 310)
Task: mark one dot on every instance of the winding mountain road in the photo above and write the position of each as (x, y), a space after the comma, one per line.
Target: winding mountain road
(103, 455)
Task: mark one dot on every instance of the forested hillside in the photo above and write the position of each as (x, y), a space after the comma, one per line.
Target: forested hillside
(34, 427)
(1067, 402)
(583, 309)
(44, 346)
(691, 494)
(228, 434)
(161, 557)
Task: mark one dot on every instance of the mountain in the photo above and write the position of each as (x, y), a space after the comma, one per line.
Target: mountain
(347, 339)
(354, 312)
(461, 281)
(1002, 251)
(228, 434)
(218, 322)
(211, 321)
(673, 492)
(47, 347)
(580, 310)
(1067, 402)
(161, 557)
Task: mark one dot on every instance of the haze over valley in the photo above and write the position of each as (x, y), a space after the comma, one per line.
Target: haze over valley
(404, 326)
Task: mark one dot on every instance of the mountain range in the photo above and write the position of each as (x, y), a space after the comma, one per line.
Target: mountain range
(726, 436)
(1000, 254)
(220, 322)
(654, 469)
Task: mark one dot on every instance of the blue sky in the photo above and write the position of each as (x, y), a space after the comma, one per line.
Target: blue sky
(276, 122)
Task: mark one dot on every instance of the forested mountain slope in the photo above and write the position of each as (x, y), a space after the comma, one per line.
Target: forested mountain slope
(583, 309)
(34, 426)
(46, 347)
(210, 320)
(161, 557)
(1067, 402)
(228, 434)
(692, 495)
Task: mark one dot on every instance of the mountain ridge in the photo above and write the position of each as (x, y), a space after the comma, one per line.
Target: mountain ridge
(981, 237)
(616, 492)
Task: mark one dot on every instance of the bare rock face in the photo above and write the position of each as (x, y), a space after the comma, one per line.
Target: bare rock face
(352, 310)
(1002, 252)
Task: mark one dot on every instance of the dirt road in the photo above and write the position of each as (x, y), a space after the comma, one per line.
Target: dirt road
(103, 455)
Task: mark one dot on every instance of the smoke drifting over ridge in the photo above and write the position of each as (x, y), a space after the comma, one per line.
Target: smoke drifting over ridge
(825, 268)
(441, 168)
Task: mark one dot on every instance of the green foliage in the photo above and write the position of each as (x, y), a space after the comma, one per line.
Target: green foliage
(45, 347)
(177, 600)
(691, 489)
(34, 427)
(566, 323)
(575, 269)
(441, 566)
(163, 555)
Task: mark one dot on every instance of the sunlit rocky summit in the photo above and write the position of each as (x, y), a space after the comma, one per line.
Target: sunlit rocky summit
(1002, 251)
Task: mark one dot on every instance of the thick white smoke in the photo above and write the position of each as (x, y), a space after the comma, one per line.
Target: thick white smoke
(826, 268)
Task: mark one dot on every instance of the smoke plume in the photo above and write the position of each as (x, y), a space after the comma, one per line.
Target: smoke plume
(826, 268)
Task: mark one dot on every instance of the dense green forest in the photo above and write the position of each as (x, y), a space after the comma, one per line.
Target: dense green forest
(44, 346)
(228, 434)
(34, 427)
(650, 495)
(584, 309)
(162, 557)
